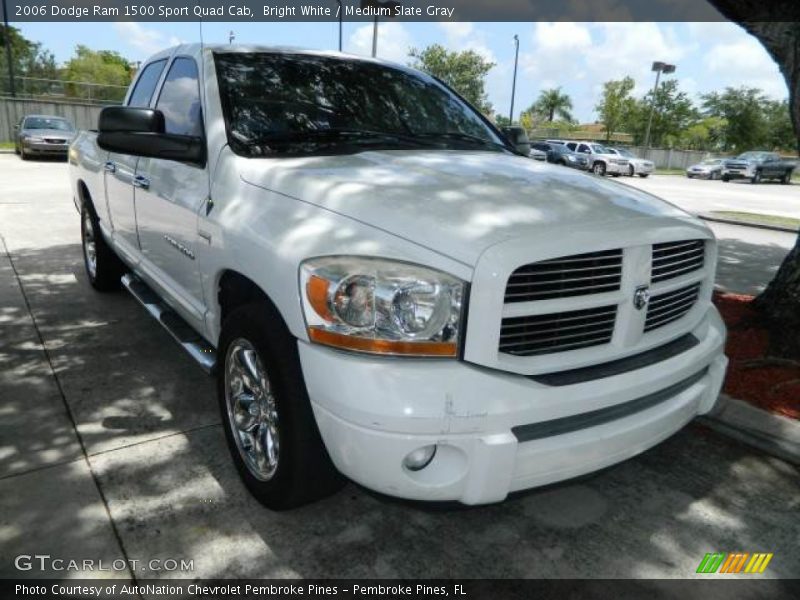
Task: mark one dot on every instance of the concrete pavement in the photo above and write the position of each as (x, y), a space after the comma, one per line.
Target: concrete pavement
(111, 447)
(703, 196)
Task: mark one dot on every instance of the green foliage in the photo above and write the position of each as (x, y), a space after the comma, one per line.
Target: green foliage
(743, 109)
(674, 113)
(706, 134)
(28, 60)
(464, 71)
(552, 103)
(100, 67)
(616, 105)
(501, 120)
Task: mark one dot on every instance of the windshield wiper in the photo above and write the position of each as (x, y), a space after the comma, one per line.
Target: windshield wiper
(462, 137)
(328, 135)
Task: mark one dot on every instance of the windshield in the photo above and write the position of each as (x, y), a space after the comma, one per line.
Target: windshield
(47, 123)
(711, 161)
(298, 104)
(598, 149)
(752, 155)
(625, 152)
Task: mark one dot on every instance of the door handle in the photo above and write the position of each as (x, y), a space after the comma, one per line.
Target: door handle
(140, 181)
(110, 167)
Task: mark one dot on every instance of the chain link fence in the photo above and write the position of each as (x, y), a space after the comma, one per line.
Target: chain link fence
(37, 88)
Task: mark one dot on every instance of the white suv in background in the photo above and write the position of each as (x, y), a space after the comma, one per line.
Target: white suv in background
(601, 160)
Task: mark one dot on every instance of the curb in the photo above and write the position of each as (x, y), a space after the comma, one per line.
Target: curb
(773, 434)
(706, 217)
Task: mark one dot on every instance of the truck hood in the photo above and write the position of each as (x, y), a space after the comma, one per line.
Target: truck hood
(455, 203)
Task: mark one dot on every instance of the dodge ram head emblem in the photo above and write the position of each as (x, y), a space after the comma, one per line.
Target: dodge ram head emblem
(641, 297)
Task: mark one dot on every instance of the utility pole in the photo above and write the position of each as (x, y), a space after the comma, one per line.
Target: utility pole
(514, 81)
(375, 37)
(378, 6)
(659, 67)
(231, 37)
(7, 37)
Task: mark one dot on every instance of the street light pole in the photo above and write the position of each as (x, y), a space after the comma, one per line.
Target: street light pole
(375, 37)
(514, 81)
(7, 37)
(658, 67)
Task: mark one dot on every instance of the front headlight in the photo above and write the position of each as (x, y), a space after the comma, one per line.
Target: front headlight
(381, 306)
(33, 138)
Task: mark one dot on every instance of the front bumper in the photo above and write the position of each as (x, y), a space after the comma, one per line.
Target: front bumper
(643, 169)
(45, 148)
(730, 173)
(372, 412)
(616, 168)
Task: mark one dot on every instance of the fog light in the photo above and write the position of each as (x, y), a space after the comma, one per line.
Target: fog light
(419, 458)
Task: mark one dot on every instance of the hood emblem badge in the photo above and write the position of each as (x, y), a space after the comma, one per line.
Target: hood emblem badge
(641, 297)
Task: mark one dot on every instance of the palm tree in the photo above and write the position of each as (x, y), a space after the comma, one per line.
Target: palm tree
(553, 102)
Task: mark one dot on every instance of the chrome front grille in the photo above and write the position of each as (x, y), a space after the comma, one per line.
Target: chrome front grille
(670, 306)
(557, 332)
(577, 275)
(674, 259)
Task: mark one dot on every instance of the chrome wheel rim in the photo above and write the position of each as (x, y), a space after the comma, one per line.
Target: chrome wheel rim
(252, 414)
(89, 245)
(598, 169)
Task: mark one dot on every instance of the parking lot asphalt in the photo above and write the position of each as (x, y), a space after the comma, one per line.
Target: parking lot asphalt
(704, 196)
(111, 448)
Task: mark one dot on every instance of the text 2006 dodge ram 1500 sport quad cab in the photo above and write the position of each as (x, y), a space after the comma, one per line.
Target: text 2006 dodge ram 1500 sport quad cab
(383, 288)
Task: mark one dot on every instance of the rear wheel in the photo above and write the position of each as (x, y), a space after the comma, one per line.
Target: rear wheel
(643, 175)
(599, 168)
(268, 421)
(103, 267)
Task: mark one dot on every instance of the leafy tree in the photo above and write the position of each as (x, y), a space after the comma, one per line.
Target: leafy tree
(464, 71)
(552, 103)
(29, 60)
(743, 109)
(616, 105)
(100, 67)
(705, 134)
(501, 120)
(780, 133)
(674, 112)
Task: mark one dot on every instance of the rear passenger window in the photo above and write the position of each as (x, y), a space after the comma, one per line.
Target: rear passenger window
(146, 84)
(180, 99)
(584, 148)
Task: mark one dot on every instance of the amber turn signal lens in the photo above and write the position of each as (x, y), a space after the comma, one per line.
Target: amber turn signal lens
(360, 344)
(317, 293)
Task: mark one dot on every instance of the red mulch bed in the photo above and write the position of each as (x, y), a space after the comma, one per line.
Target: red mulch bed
(772, 385)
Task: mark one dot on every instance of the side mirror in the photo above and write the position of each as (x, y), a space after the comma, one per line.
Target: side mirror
(518, 138)
(16, 127)
(140, 132)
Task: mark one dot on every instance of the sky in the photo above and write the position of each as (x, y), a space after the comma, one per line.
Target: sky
(578, 57)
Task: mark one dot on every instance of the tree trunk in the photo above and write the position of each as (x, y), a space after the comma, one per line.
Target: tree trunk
(779, 303)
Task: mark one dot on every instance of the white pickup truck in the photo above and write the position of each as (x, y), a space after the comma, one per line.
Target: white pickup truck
(383, 287)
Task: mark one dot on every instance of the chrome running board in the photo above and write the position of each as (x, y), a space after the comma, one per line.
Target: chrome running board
(198, 348)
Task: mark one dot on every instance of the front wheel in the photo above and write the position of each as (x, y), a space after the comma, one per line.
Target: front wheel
(756, 178)
(725, 179)
(599, 168)
(103, 267)
(644, 175)
(631, 171)
(266, 413)
(786, 177)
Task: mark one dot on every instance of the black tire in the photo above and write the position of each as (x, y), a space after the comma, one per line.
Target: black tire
(756, 178)
(105, 275)
(786, 178)
(725, 178)
(644, 175)
(304, 471)
(631, 171)
(22, 154)
(599, 168)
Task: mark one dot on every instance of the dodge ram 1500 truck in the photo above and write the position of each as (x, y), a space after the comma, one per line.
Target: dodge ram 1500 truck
(383, 287)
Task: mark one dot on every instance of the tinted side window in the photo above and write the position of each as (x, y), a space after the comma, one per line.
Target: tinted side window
(583, 148)
(180, 99)
(572, 146)
(146, 84)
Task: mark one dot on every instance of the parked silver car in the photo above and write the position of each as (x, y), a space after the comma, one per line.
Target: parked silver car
(43, 135)
(636, 166)
(710, 168)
